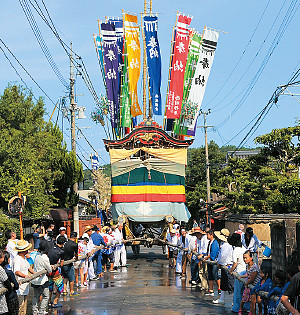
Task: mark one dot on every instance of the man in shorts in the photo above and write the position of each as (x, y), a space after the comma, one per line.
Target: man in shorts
(67, 271)
(56, 255)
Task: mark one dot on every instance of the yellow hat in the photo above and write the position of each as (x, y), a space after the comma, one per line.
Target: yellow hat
(22, 246)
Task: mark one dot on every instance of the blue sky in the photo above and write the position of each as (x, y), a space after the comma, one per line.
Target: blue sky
(77, 21)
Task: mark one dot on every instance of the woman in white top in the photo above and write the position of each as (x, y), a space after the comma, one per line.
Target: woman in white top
(238, 266)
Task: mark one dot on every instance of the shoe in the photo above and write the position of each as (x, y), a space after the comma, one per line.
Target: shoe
(81, 285)
(85, 283)
(64, 293)
(194, 282)
(183, 276)
(219, 301)
(56, 305)
(94, 279)
(74, 293)
(219, 291)
(240, 312)
(113, 270)
(209, 293)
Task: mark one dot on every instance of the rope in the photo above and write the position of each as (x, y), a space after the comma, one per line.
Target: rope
(149, 241)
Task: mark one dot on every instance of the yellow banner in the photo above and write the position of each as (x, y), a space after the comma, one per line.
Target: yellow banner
(132, 40)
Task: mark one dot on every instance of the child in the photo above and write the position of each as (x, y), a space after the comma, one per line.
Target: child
(83, 263)
(253, 277)
(279, 281)
(266, 285)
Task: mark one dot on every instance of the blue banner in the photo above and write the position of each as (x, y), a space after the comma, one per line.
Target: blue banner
(153, 62)
(95, 162)
(110, 56)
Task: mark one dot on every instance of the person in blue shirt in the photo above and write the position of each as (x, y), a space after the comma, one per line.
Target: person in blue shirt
(37, 234)
(212, 269)
(98, 240)
(265, 284)
(278, 289)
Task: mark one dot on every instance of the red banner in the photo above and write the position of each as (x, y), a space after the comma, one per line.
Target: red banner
(180, 53)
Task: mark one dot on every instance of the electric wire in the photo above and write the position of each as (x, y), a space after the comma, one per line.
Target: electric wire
(243, 53)
(285, 23)
(247, 69)
(38, 35)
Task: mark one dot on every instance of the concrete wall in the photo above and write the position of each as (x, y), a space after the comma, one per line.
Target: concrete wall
(261, 230)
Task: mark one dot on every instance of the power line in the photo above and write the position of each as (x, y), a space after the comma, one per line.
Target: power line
(285, 23)
(248, 68)
(38, 35)
(243, 53)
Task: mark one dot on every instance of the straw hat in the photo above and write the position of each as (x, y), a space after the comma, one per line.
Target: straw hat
(34, 226)
(22, 246)
(222, 235)
(198, 230)
(87, 228)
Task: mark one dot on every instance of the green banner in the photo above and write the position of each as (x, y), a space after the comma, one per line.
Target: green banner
(125, 98)
(191, 63)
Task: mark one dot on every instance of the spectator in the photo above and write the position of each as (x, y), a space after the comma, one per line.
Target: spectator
(37, 235)
(108, 253)
(41, 284)
(203, 266)
(120, 252)
(181, 242)
(224, 260)
(56, 255)
(81, 265)
(4, 283)
(251, 242)
(98, 241)
(12, 300)
(70, 251)
(291, 292)
(212, 270)
(240, 267)
(172, 238)
(21, 268)
(185, 240)
(253, 277)
(195, 248)
(88, 230)
(62, 232)
(278, 290)
(11, 244)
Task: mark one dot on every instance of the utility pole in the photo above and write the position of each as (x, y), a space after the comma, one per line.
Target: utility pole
(73, 108)
(205, 113)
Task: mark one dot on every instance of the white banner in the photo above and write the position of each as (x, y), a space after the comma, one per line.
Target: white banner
(206, 57)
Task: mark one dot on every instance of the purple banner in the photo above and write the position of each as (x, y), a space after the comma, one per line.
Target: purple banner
(111, 63)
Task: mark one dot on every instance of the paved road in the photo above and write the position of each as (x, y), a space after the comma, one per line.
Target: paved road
(147, 286)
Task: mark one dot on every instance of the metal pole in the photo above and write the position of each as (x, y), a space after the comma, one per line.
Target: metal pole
(73, 135)
(144, 66)
(207, 169)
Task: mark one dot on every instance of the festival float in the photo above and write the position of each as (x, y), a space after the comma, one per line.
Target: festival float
(148, 160)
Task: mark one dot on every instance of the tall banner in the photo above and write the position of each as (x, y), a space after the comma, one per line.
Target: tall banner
(125, 98)
(180, 53)
(192, 60)
(120, 41)
(132, 42)
(205, 60)
(110, 56)
(153, 62)
(98, 45)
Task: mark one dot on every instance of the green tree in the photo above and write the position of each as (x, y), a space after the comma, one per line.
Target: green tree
(196, 175)
(33, 158)
(7, 223)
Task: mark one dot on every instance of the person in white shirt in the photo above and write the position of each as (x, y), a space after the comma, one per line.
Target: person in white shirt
(251, 242)
(120, 252)
(22, 270)
(41, 284)
(90, 248)
(202, 266)
(11, 244)
(182, 241)
(172, 239)
(225, 260)
(238, 266)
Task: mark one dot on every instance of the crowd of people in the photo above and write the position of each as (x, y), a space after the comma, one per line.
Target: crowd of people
(218, 262)
(222, 260)
(70, 262)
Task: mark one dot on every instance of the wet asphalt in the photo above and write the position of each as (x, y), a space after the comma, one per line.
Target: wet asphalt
(146, 286)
